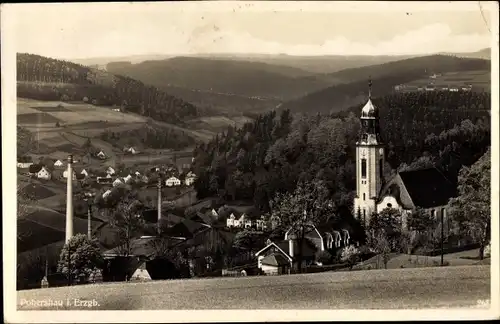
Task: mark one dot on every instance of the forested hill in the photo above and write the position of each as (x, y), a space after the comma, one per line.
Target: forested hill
(44, 78)
(353, 87)
(230, 77)
(273, 153)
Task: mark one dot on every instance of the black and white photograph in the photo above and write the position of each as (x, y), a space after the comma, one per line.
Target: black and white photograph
(291, 160)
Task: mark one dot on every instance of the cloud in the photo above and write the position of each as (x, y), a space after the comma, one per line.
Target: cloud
(428, 39)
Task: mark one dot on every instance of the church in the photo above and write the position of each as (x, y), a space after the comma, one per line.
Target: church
(428, 188)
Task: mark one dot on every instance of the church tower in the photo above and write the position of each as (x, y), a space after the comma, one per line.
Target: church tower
(370, 161)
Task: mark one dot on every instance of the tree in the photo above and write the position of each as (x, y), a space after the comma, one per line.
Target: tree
(248, 240)
(307, 206)
(126, 218)
(420, 227)
(80, 257)
(350, 255)
(472, 208)
(384, 233)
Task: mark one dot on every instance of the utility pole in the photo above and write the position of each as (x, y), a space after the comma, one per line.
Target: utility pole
(442, 239)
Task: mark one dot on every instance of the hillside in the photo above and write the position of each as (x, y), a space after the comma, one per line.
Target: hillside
(353, 89)
(273, 153)
(250, 79)
(44, 78)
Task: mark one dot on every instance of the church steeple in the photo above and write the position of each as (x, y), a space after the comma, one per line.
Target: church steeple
(370, 126)
(369, 161)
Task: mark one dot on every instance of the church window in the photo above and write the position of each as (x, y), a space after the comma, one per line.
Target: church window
(363, 168)
(433, 213)
(389, 205)
(364, 196)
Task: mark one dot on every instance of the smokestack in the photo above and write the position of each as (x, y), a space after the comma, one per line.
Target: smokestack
(69, 200)
(290, 246)
(159, 204)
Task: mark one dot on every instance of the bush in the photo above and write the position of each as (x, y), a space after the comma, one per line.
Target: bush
(80, 257)
(350, 255)
(324, 257)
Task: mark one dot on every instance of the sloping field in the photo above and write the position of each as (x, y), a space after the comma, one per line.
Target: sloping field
(73, 113)
(480, 80)
(217, 123)
(375, 289)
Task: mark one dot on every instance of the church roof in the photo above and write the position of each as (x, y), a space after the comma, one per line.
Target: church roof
(369, 110)
(428, 187)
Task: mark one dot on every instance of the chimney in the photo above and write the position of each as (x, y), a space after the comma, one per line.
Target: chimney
(159, 203)
(69, 200)
(290, 247)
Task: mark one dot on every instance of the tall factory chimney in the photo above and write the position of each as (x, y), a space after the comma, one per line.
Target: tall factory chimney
(69, 200)
(159, 204)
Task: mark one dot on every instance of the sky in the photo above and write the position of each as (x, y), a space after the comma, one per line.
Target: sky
(79, 31)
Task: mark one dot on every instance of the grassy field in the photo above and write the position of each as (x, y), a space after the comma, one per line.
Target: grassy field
(218, 123)
(374, 289)
(418, 261)
(480, 80)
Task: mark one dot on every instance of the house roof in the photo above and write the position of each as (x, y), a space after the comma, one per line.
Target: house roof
(34, 168)
(428, 187)
(275, 259)
(308, 249)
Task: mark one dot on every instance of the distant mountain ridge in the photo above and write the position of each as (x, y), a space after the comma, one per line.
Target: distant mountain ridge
(385, 76)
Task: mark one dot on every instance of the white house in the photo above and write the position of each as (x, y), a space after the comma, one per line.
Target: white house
(261, 223)
(24, 165)
(172, 181)
(190, 178)
(127, 178)
(214, 213)
(104, 195)
(230, 222)
(65, 174)
(132, 150)
(58, 163)
(137, 173)
(110, 171)
(84, 173)
(117, 183)
(101, 155)
(44, 174)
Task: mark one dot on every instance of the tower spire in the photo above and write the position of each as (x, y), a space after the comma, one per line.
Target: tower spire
(370, 87)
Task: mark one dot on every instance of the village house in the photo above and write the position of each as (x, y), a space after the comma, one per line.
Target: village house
(106, 193)
(101, 155)
(232, 221)
(110, 171)
(172, 181)
(84, 173)
(261, 224)
(428, 188)
(128, 178)
(280, 257)
(58, 163)
(117, 182)
(24, 162)
(40, 171)
(190, 178)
